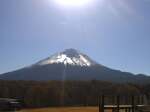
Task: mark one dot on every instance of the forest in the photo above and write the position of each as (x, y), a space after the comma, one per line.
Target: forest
(33, 94)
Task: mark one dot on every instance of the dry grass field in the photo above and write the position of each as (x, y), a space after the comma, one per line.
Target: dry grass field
(65, 109)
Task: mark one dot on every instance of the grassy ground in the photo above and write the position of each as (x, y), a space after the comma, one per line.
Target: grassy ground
(66, 109)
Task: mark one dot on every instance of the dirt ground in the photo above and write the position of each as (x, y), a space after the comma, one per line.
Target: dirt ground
(63, 109)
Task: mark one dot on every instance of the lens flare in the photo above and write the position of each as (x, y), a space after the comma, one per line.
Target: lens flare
(73, 3)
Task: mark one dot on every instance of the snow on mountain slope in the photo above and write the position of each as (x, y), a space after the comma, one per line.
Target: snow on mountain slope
(81, 67)
(69, 56)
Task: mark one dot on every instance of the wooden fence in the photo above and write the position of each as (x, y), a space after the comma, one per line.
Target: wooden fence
(116, 103)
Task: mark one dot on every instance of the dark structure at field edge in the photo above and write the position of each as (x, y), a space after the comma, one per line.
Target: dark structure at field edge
(137, 104)
(7, 104)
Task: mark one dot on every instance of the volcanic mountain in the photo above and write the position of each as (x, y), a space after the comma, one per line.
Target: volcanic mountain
(68, 57)
(72, 65)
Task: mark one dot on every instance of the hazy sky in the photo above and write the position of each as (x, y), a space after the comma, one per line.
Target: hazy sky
(115, 33)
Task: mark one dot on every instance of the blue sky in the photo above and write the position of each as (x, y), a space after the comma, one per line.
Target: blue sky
(115, 33)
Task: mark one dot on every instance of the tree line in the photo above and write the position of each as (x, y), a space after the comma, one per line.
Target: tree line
(67, 93)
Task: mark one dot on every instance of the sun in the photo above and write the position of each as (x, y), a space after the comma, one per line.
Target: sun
(73, 3)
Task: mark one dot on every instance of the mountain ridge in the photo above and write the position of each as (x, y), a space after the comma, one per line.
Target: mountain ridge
(73, 65)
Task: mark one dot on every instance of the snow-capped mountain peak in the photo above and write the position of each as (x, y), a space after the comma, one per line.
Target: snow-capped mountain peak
(69, 56)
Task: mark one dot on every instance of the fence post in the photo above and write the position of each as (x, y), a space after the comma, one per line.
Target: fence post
(118, 103)
(101, 104)
(133, 104)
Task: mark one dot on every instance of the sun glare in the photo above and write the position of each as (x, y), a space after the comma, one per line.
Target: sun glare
(73, 3)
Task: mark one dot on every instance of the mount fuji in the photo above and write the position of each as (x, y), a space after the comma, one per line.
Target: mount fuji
(72, 65)
(68, 57)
